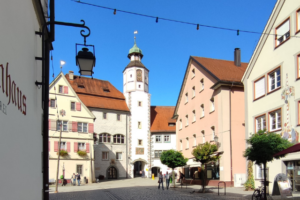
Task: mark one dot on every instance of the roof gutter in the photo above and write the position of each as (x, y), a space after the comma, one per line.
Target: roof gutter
(226, 83)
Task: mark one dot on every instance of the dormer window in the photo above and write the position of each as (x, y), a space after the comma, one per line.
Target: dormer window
(171, 124)
(106, 90)
(80, 86)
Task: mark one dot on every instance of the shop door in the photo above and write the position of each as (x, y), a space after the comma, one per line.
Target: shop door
(296, 181)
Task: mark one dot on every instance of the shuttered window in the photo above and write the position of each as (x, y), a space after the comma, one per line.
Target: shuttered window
(259, 88)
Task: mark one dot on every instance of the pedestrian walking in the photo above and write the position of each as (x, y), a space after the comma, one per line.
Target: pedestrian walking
(181, 177)
(62, 180)
(74, 179)
(167, 177)
(160, 180)
(78, 179)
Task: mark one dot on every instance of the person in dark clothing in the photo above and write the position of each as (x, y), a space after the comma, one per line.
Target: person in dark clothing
(78, 179)
(160, 181)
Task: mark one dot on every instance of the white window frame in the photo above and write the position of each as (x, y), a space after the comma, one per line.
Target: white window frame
(157, 153)
(52, 103)
(119, 155)
(213, 133)
(63, 145)
(212, 101)
(275, 117)
(81, 146)
(140, 104)
(201, 85)
(186, 97)
(84, 125)
(186, 120)
(297, 20)
(194, 92)
(202, 110)
(107, 137)
(105, 153)
(187, 143)
(193, 73)
(81, 169)
(276, 74)
(120, 137)
(203, 136)
(139, 125)
(64, 125)
(195, 140)
(158, 137)
(260, 121)
(167, 138)
(280, 35)
(194, 115)
(180, 144)
(180, 124)
(259, 173)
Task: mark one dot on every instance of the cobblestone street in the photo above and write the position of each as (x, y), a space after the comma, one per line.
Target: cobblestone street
(143, 189)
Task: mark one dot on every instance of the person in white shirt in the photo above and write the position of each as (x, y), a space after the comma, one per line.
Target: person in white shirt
(160, 181)
(167, 177)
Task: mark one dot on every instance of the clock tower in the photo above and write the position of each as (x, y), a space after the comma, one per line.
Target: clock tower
(136, 92)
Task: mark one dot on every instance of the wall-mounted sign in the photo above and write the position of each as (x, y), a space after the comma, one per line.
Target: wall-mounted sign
(11, 90)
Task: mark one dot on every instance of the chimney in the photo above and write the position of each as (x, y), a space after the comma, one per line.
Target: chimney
(237, 57)
(71, 75)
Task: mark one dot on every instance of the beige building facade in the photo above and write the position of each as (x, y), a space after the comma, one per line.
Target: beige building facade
(272, 95)
(210, 108)
(77, 126)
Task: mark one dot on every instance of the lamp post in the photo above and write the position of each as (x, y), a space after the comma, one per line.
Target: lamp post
(46, 43)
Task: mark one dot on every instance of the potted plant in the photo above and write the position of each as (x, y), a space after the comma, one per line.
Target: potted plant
(81, 153)
(63, 153)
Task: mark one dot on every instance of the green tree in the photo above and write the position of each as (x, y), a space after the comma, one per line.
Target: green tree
(263, 145)
(205, 153)
(173, 159)
(250, 180)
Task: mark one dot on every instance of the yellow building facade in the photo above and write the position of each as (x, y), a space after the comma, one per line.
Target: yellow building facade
(68, 115)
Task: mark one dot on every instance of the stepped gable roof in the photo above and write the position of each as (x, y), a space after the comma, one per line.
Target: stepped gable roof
(95, 93)
(223, 70)
(161, 117)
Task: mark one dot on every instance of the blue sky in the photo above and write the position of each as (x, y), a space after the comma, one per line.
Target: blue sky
(166, 46)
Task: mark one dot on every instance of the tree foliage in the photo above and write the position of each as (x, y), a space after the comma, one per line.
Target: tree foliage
(250, 180)
(173, 159)
(263, 145)
(205, 153)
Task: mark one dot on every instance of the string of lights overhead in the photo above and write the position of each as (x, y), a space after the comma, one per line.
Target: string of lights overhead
(238, 31)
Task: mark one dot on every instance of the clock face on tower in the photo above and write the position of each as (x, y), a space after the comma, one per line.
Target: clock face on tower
(139, 75)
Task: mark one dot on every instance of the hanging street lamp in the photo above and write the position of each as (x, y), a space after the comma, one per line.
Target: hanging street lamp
(86, 61)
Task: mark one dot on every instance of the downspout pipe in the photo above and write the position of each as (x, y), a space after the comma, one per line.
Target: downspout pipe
(230, 137)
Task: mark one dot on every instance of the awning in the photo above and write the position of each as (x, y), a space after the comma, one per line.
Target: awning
(292, 149)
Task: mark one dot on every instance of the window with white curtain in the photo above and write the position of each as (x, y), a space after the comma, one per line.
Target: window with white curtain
(180, 124)
(203, 136)
(180, 145)
(260, 123)
(186, 98)
(195, 140)
(298, 66)
(259, 88)
(193, 73)
(202, 84)
(298, 20)
(282, 32)
(212, 102)
(275, 120)
(187, 143)
(274, 80)
(213, 132)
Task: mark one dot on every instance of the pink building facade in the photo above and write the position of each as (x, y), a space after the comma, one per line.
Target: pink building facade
(210, 108)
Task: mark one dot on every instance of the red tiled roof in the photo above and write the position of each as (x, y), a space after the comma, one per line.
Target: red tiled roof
(93, 95)
(161, 117)
(224, 70)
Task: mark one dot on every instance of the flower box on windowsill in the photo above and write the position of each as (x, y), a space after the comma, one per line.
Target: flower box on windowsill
(82, 153)
(62, 153)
